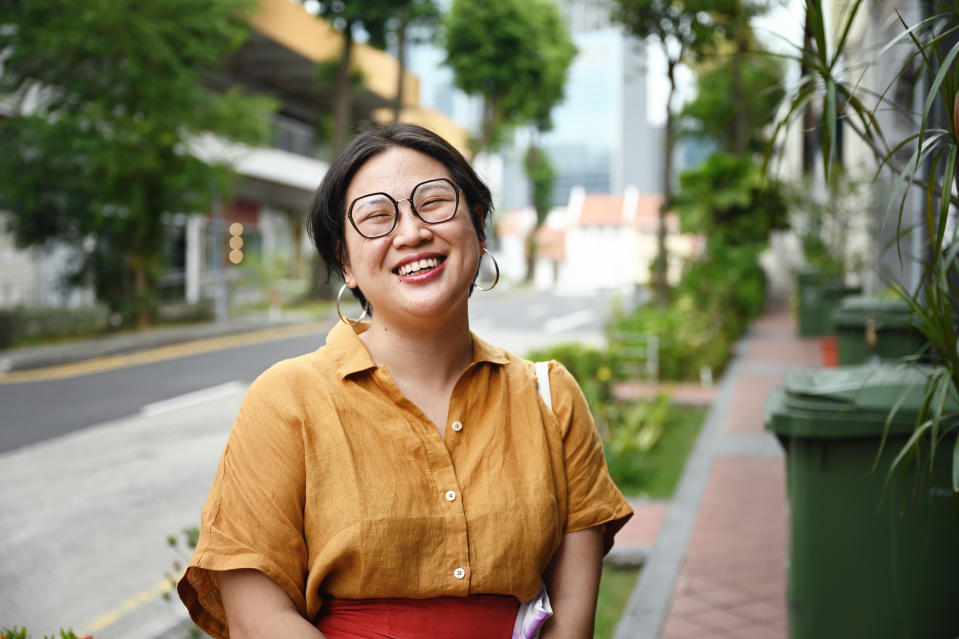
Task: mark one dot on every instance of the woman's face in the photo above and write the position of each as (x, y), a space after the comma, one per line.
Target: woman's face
(385, 268)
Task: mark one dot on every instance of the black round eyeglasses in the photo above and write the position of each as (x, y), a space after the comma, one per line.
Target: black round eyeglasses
(376, 214)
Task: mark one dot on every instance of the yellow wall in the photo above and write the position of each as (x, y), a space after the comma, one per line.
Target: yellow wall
(290, 25)
(435, 121)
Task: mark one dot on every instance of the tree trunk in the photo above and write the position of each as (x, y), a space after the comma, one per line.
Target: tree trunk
(740, 138)
(401, 59)
(343, 98)
(531, 254)
(489, 120)
(662, 258)
(141, 291)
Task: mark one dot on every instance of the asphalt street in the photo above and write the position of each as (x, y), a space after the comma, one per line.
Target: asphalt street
(96, 470)
(37, 411)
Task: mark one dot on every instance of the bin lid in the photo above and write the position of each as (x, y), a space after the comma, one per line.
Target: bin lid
(850, 401)
(854, 310)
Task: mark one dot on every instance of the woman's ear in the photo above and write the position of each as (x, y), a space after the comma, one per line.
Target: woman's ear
(345, 265)
(478, 216)
(348, 277)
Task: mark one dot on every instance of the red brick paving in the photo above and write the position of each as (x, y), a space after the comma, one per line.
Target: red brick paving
(688, 394)
(749, 398)
(800, 352)
(733, 580)
(732, 583)
(643, 528)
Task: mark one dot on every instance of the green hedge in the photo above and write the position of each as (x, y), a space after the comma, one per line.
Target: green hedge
(25, 324)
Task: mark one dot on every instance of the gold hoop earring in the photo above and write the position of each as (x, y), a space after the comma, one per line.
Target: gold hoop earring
(495, 266)
(345, 319)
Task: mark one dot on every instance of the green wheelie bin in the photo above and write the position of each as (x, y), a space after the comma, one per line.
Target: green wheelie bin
(819, 295)
(864, 562)
(871, 330)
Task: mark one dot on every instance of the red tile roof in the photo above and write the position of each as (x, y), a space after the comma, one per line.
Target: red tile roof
(602, 210)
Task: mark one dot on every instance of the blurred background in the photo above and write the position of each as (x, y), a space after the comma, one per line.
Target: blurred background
(692, 199)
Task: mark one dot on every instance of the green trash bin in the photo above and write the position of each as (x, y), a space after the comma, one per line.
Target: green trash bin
(862, 564)
(871, 330)
(819, 295)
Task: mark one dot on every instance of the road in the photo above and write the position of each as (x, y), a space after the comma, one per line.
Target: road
(97, 469)
(38, 411)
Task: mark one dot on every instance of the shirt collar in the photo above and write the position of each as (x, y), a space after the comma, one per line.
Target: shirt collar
(351, 356)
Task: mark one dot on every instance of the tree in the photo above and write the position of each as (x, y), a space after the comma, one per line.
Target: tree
(513, 53)
(541, 174)
(683, 29)
(407, 16)
(347, 17)
(736, 125)
(107, 97)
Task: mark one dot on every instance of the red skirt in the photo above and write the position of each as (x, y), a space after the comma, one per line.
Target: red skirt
(473, 617)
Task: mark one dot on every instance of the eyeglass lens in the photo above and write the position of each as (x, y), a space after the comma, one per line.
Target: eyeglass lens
(375, 214)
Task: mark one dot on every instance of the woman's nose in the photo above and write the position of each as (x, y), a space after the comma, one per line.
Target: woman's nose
(410, 229)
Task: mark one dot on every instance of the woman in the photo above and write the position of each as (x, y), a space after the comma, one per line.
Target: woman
(406, 479)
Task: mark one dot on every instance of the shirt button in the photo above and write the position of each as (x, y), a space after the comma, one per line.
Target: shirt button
(457, 426)
(450, 495)
(459, 573)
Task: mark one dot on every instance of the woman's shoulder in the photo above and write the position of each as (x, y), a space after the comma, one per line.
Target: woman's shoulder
(561, 380)
(293, 373)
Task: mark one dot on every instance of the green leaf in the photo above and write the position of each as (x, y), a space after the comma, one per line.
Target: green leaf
(906, 449)
(841, 44)
(944, 203)
(955, 467)
(945, 68)
(829, 126)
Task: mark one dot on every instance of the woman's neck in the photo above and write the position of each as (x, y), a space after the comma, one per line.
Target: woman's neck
(436, 354)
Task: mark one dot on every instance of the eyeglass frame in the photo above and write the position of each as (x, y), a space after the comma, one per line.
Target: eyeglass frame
(396, 207)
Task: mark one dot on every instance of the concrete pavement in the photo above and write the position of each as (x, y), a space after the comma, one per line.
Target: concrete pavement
(86, 516)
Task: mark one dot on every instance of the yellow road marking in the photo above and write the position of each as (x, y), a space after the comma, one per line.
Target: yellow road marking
(128, 606)
(163, 353)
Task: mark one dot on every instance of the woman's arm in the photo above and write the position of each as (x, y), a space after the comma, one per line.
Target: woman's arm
(256, 608)
(572, 581)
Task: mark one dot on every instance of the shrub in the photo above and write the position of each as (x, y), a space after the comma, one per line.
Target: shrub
(593, 370)
(183, 311)
(24, 324)
(21, 633)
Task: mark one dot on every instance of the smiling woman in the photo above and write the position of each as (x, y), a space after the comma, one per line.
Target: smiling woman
(407, 480)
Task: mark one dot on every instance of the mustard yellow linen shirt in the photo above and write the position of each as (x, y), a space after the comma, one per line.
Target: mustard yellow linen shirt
(332, 483)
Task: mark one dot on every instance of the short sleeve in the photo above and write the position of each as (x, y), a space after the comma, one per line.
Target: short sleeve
(253, 517)
(593, 498)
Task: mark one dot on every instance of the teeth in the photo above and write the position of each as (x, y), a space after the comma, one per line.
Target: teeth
(413, 267)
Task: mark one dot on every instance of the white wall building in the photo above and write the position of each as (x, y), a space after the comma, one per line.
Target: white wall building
(597, 242)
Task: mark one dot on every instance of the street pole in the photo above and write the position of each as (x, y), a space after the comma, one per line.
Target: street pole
(219, 276)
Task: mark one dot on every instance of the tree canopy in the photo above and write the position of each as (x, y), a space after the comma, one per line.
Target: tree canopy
(685, 30)
(513, 53)
(107, 98)
(720, 100)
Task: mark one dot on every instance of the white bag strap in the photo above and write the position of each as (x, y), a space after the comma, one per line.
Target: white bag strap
(542, 383)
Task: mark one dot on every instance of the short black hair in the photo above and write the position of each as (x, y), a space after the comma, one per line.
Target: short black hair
(327, 224)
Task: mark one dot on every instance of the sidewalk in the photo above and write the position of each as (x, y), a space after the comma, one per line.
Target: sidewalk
(718, 564)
